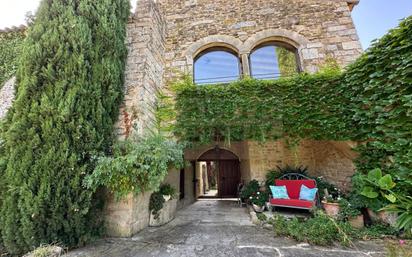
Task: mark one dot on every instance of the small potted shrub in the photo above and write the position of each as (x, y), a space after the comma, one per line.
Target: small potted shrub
(330, 203)
(249, 189)
(258, 200)
(156, 204)
(348, 212)
(167, 191)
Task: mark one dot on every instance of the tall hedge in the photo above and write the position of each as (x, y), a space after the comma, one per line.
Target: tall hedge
(69, 88)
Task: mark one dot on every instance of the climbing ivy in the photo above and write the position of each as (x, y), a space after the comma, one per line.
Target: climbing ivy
(370, 102)
(10, 49)
(303, 106)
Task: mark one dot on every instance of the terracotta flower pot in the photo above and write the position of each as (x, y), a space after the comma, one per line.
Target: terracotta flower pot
(356, 222)
(258, 208)
(331, 209)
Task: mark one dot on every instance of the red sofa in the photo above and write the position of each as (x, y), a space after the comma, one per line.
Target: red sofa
(293, 189)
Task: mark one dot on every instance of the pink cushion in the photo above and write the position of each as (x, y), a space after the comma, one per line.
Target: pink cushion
(293, 186)
(292, 203)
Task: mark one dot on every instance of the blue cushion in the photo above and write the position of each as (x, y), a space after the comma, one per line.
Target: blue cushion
(307, 193)
(279, 192)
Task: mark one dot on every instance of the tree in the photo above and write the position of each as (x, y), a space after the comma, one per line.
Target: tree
(70, 82)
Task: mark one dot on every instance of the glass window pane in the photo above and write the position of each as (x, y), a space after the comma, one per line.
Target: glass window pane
(272, 62)
(216, 67)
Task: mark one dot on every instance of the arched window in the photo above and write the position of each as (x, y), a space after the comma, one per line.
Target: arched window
(217, 65)
(273, 60)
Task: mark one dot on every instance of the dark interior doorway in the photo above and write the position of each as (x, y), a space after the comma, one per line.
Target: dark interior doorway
(218, 174)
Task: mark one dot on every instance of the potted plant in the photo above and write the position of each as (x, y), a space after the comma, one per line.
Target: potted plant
(156, 204)
(330, 203)
(258, 200)
(167, 191)
(250, 188)
(348, 212)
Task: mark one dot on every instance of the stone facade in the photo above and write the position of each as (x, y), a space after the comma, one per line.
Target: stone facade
(164, 38)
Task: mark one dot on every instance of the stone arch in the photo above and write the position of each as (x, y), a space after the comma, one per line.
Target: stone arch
(229, 42)
(228, 152)
(291, 38)
(286, 36)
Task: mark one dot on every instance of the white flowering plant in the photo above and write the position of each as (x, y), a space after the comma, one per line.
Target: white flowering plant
(259, 198)
(333, 197)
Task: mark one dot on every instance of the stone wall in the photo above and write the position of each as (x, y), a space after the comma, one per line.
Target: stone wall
(163, 38)
(146, 32)
(330, 159)
(318, 29)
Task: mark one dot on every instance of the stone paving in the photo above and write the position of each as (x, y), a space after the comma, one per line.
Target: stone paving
(214, 228)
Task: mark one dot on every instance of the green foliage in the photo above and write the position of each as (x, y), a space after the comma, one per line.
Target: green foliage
(347, 210)
(259, 197)
(378, 230)
(167, 189)
(322, 184)
(287, 62)
(262, 217)
(260, 109)
(249, 189)
(156, 203)
(271, 175)
(370, 102)
(10, 50)
(69, 81)
(164, 114)
(136, 166)
(319, 230)
(382, 186)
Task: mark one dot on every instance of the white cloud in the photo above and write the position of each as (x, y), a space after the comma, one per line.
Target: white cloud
(12, 12)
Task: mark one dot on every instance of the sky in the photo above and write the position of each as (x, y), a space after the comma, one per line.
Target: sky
(373, 18)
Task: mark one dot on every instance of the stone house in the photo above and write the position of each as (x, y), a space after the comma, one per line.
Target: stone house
(226, 40)
(220, 41)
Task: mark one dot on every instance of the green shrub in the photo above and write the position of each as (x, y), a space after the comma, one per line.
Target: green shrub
(347, 210)
(271, 175)
(249, 189)
(69, 87)
(156, 203)
(319, 230)
(136, 166)
(167, 189)
(10, 50)
(259, 197)
(378, 230)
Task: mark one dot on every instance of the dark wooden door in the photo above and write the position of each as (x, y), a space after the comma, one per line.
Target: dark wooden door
(229, 178)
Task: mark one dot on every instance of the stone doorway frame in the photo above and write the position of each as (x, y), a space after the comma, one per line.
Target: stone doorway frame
(218, 155)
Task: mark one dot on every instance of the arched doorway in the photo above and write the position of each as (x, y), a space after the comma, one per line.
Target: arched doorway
(220, 174)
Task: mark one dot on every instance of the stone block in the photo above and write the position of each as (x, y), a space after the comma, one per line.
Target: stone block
(351, 45)
(166, 214)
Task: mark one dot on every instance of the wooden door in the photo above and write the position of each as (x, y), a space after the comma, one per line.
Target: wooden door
(229, 178)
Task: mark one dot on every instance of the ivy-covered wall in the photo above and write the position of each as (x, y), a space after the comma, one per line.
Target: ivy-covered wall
(370, 102)
(10, 49)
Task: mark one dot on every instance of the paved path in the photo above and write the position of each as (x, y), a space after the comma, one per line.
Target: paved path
(213, 228)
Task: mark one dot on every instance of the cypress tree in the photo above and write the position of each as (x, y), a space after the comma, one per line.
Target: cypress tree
(70, 81)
